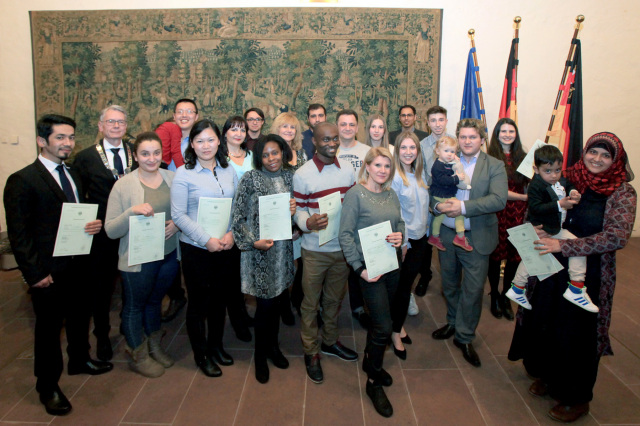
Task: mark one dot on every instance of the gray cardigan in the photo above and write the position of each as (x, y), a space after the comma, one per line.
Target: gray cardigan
(126, 193)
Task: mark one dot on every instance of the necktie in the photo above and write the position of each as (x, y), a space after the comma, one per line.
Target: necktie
(117, 161)
(66, 185)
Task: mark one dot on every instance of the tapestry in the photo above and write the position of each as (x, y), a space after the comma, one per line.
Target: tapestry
(228, 60)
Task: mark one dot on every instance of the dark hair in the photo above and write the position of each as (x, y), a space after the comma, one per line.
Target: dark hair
(604, 146)
(287, 154)
(407, 106)
(436, 109)
(256, 110)
(316, 106)
(46, 123)
(144, 137)
(191, 101)
(346, 112)
(517, 152)
(235, 121)
(190, 156)
(548, 154)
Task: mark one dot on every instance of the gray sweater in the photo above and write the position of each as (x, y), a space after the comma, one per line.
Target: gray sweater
(362, 208)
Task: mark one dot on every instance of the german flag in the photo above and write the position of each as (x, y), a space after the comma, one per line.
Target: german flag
(508, 105)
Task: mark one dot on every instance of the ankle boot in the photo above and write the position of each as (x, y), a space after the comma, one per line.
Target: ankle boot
(142, 363)
(379, 399)
(156, 351)
(262, 368)
(496, 306)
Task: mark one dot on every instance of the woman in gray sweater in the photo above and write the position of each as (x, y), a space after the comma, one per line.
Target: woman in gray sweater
(368, 203)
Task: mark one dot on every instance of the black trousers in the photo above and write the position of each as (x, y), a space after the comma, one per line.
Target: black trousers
(176, 292)
(64, 302)
(267, 325)
(413, 265)
(510, 269)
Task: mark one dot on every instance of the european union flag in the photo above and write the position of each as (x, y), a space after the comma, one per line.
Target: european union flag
(471, 95)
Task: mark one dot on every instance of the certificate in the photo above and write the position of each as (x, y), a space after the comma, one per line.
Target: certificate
(71, 239)
(379, 255)
(522, 238)
(526, 166)
(275, 217)
(146, 238)
(214, 214)
(332, 206)
(297, 248)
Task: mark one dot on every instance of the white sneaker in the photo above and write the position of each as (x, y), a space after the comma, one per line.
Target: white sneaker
(581, 299)
(413, 306)
(520, 299)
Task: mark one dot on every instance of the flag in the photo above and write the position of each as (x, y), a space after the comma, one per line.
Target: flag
(508, 105)
(566, 132)
(471, 94)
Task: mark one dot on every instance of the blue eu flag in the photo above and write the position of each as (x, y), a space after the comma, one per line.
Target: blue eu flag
(471, 96)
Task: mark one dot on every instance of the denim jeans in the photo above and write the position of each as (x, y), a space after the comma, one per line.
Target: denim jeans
(142, 304)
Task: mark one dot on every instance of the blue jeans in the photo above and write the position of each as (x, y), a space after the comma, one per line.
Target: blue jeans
(143, 294)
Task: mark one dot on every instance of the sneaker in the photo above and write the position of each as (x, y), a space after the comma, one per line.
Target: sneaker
(314, 369)
(435, 241)
(339, 350)
(463, 243)
(519, 298)
(413, 306)
(581, 299)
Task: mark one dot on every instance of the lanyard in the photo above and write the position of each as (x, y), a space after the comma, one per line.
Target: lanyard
(114, 172)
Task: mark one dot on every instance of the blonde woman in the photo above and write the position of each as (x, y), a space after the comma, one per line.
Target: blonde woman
(288, 127)
(377, 133)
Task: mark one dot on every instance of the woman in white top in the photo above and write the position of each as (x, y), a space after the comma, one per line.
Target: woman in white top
(412, 192)
(234, 141)
(377, 133)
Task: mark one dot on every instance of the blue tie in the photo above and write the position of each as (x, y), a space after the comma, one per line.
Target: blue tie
(117, 161)
(66, 185)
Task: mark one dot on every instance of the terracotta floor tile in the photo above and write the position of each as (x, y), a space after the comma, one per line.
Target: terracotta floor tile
(614, 403)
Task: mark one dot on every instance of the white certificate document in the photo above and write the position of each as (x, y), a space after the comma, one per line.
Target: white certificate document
(379, 255)
(146, 238)
(331, 205)
(275, 217)
(71, 239)
(526, 166)
(522, 238)
(214, 215)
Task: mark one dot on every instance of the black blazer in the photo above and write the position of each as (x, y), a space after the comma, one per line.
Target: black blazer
(33, 204)
(97, 180)
(543, 204)
(393, 135)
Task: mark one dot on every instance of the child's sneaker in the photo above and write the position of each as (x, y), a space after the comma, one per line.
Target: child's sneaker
(435, 241)
(519, 298)
(462, 242)
(581, 299)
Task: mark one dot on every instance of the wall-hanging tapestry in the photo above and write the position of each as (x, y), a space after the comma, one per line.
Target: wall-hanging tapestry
(277, 59)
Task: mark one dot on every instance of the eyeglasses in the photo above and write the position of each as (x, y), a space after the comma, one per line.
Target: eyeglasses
(406, 115)
(255, 120)
(112, 122)
(185, 111)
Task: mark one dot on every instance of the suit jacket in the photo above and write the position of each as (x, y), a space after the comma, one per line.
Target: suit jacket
(393, 135)
(97, 180)
(543, 204)
(33, 204)
(488, 195)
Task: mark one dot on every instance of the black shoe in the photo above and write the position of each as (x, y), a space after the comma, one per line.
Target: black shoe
(243, 334)
(468, 353)
(209, 367)
(314, 369)
(379, 398)
(55, 402)
(406, 340)
(221, 357)
(402, 354)
(339, 350)
(496, 307)
(104, 352)
(175, 306)
(507, 312)
(278, 359)
(382, 377)
(262, 370)
(287, 317)
(444, 333)
(363, 318)
(421, 288)
(90, 366)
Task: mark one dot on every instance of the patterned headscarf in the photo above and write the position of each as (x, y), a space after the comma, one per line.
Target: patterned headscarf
(608, 181)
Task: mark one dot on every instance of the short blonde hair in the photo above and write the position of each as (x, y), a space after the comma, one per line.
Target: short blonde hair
(417, 165)
(445, 141)
(385, 137)
(289, 118)
(372, 154)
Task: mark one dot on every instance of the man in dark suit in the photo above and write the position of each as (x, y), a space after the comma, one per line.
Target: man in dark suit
(488, 194)
(99, 167)
(407, 116)
(33, 200)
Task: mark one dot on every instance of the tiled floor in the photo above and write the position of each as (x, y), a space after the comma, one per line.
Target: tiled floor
(433, 386)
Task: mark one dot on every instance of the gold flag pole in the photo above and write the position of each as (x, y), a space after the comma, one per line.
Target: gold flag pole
(555, 127)
(472, 33)
(516, 21)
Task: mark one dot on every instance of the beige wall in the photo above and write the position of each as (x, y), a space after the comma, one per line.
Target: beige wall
(610, 64)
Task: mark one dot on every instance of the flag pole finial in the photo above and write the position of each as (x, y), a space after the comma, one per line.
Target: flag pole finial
(471, 33)
(517, 19)
(580, 19)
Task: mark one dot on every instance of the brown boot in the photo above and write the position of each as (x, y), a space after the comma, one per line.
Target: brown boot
(156, 351)
(142, 363)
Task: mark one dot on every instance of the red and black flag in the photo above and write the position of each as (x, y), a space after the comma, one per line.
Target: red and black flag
(508, 105)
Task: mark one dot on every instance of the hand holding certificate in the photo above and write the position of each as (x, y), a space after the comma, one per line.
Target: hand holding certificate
(146, 238)
(522, 238)
(275, 217)
(72, 239)
(379, 255)
(331, 205)
(214, 215)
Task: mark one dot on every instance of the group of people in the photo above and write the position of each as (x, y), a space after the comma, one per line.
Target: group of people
(435, 189)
